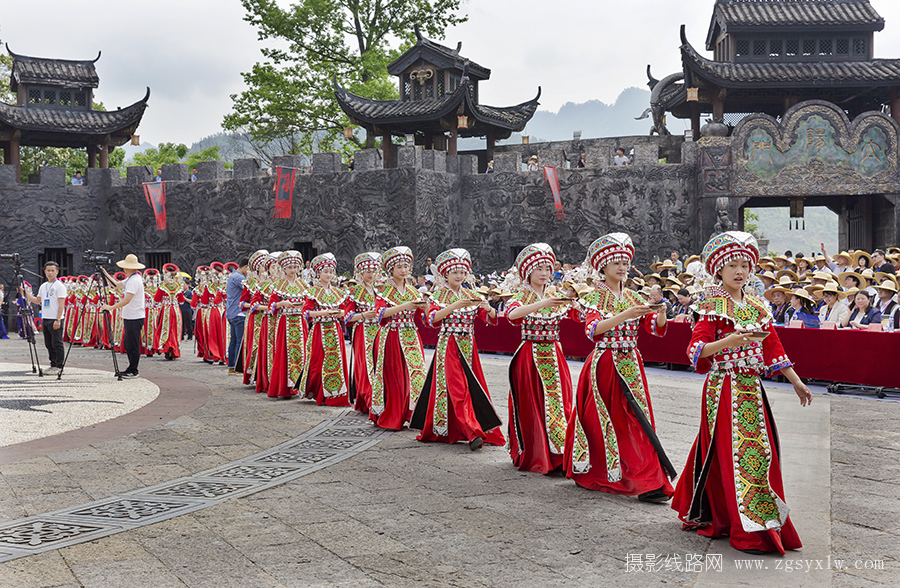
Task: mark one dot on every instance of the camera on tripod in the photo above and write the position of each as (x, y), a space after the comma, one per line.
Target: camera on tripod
(98, 257)
(13, 257)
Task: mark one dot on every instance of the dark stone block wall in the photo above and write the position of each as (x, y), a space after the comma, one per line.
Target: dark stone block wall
(346, 213)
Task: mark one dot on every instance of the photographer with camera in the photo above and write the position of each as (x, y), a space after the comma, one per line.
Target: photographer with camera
(52, 300)
(133, 310)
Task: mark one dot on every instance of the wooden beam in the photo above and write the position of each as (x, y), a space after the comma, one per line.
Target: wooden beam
(104, 157)
(386, 147)
(92, 152)
(451, 146)
(491, 141)
(14, 156)
(695, 120)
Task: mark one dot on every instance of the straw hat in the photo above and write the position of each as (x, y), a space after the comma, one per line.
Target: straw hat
(851, 292)
(893, 250)
(887, 285)
(832, 288)
(691, 260)
(768, 274)
(785, 282)
(843, 254)
(673, 289)
(676, 281)
(822, 275)
(882, 276)
(786, 272)
(768, 293)
(654, 275)
(868, 274)
(858, 277)
(130, 262)
(813, 289)
(782, 258)
(860, 254)
(801, 293)
(685, 276)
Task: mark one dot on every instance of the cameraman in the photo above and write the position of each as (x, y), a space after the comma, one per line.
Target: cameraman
(52, 300)
(133, 310)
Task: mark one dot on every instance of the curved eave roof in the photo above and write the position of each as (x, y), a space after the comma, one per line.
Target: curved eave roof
(52, 72)
(74, 122)
(387, 112)
(876, 72)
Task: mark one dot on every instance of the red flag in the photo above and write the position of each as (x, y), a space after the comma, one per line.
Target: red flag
(551, 177)
(284, 191)
(155, 194)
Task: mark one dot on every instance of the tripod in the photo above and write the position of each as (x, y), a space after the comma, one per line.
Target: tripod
(26, 315)
(98, 280)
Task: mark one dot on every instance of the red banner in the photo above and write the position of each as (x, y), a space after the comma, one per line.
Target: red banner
(155, 194)
(284, 191)
(551, 177)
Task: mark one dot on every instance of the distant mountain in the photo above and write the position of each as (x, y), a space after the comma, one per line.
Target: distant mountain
(595, 118)
(130, 149)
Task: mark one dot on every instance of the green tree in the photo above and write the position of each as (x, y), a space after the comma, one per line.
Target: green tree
(751, 222)
(156, 157)
(290, 100)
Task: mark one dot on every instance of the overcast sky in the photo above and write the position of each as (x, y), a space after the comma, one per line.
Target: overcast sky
(191, 52)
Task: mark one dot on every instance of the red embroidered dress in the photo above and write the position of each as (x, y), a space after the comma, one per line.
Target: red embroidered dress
(732, 483)
(611, 442)
(288, 345)
(399, 360)
(325, 372)
(216, 341)
(264, 336)
(362, 345)
(89, 333)
(151, 316)
(540, 388)
(167, 336)
(455, 404)
(247, 354)
(70, 316)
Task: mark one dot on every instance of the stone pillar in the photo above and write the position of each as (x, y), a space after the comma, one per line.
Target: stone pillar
(326, 163)
(175, 172)
(294, 161)
(598, 156)
(435, 160)
(367, 159)
(552, 157)
(210, 170)
(409, 157)
(103, 177)
(247, 168)
(646, 154)
(138, 174)
(9, 176)
(52, 176)
(452, 162)
(386, 147)
(468, 165)
(510, 161)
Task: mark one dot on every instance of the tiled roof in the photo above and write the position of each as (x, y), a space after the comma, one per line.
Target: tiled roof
(811, 74)
(445, 56)
(53, 72)
(383, 112)
(82, 122)
(797, 12)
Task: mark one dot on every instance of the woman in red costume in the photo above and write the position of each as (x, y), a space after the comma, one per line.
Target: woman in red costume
(286, 305)
(732, 483)
(255, 313)
(151, 312)
(168, 296)
(611, 442)
(540, 387)
(71, 309)
(363, 318)
(454, 404)
(325, 373)
(90, 331)
(265, 346)
(215, 317)
(399, 357)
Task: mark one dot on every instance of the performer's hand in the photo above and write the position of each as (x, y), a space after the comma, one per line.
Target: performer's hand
(554, 302)
(636, 312)
(369, 314)
(484, 305)
(56, 325)
(736, 339)
(803, 392)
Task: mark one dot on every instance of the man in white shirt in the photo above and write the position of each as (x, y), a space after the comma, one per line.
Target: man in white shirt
(52, 300)
(133, 310)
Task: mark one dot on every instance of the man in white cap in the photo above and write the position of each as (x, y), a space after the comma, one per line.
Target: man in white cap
(133, 310)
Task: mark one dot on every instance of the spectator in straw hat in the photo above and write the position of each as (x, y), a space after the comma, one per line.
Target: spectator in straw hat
(767, 278)
(868, 284)
(862, 261)
(839, 263)
(801, 306)
(821, 263)
(133, 310)
(851, 279)
(778, 302)
(889, 309)
(863, 313)
(833, 310)
(804, 265)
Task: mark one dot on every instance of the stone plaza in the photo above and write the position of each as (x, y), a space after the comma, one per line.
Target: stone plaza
(209, 484)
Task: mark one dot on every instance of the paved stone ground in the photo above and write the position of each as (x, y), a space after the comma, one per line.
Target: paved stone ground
(407, 514)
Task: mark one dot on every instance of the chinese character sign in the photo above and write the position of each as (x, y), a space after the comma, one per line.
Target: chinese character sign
(284, 191)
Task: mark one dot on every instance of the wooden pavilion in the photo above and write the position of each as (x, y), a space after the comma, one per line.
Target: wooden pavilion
(769, 55)
(438, 102)
(54, 108)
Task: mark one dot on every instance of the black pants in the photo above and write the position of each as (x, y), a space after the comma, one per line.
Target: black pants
(54, 343)
(131, 339)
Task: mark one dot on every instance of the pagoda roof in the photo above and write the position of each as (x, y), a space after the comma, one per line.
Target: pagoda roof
(52, 72)
(60, 127)
(443, 57)
(875, 72)
(409, 116)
